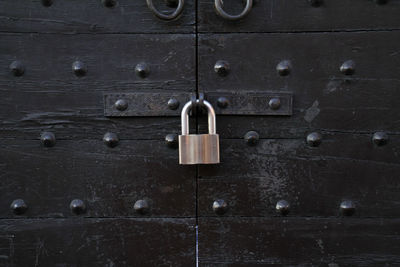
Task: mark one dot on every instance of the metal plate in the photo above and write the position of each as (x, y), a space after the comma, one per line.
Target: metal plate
(156, 104)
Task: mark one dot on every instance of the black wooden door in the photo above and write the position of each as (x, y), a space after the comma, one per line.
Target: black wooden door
(122, 201)
(332, 167)
(306, 99)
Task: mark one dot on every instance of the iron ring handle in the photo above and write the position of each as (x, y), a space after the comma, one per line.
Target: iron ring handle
(222, 13)
(172, 16)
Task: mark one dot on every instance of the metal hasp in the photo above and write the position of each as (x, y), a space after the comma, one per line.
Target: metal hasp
(198, 148)
(247, 103)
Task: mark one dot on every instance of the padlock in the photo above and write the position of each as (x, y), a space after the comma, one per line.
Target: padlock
(198, 148)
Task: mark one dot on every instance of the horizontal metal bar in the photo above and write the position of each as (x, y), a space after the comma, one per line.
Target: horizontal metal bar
(156, 104)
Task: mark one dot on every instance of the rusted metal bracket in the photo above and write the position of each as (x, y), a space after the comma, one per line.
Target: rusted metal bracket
(225, 103)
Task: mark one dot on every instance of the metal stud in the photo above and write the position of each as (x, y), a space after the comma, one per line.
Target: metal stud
(171, 140)
(220, 207)
(348, 67)
(47, 3)
(252, 138)
(48, 139)
(79, 68)
(222, 68)
(284, 67)
(142, 70)
(121, 104)
(380, 138)
(17, 68)
(223, 102)
(142, 207)
(347, 208)
(171, 3)
(283, 207)
(109, 3)
(314, 139)
(18, 206)
(381, 2)
(77, 207)
(316, 3)
(111, 139)
(173, 104)
(274, 103)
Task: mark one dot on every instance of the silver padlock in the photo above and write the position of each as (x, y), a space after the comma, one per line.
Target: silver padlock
(198, 148)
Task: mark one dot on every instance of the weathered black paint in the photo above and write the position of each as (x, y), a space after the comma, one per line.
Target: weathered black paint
(301, 16)
(298, 242)
(98, 242)
(317, 186)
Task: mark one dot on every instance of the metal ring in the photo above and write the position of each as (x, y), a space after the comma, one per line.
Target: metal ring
(222, 13)
(172, 16)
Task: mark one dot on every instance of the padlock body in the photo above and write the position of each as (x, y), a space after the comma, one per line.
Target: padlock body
(199, 149)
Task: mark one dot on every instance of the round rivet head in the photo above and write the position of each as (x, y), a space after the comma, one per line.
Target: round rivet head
(347, 208)
(77, 206)
(222, 68)
(141, 206)
(380, 138)
(18, 206)
(284, 67)
(121, 104)
(348, 67)
(17, 68)
(48, 139)
(79, 68)
(109, 3)
(274, 103)
(252, 138)
(142, 70)
(283, 207)
(222, 102)
(173, 104)
(111, 139)
(47, 3)
(171, 140)
(315, 3)
(314, 139)
(220, 207)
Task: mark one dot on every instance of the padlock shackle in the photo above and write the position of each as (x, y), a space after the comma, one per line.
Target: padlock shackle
(212, 126)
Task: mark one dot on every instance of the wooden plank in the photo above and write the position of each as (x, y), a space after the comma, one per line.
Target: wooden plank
(301, 16)
(50, 96)
(91, 16)
(97, 242)
(108, 180)
(314, 180)
(298, 242)
(323, 97)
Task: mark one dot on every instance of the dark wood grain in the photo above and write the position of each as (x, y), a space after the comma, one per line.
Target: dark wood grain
(301, 16)
(91, 16)
(315, 180)
(324, 98)
(298, 242)
(50, 96)
(97, 242)
(108, 180)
